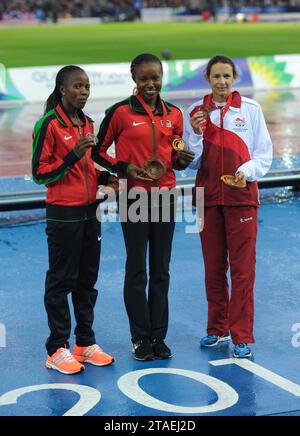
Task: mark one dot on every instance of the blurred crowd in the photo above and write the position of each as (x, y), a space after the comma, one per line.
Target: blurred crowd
(53, 9)
(116, 10)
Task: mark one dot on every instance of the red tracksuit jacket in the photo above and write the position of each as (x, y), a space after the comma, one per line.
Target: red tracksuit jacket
(237, 141)
(137, 139)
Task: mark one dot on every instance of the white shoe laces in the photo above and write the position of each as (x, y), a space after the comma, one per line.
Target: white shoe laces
(92, 349)
(64, 356)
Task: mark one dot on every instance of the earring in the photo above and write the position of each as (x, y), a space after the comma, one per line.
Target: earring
(135, 91)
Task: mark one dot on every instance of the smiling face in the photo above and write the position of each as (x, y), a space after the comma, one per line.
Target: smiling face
(148, 79)
(75, 91)
(221, 78)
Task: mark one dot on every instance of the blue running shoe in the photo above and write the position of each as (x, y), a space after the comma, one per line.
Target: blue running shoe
(212, 340)
(242, 351)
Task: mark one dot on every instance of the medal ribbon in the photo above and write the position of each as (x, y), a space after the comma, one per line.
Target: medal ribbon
(163, 130)
(224, 110)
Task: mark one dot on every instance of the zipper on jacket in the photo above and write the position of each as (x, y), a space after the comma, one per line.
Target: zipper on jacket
(85, 171)
(222, 155)
(85, 168)
(154, 146)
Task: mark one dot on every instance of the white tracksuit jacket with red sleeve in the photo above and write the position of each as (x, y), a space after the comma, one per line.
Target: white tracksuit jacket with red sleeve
(239, 142)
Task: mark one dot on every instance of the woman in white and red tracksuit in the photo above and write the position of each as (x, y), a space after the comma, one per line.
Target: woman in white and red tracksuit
(229, 136)
(141, 127)
(61, 160)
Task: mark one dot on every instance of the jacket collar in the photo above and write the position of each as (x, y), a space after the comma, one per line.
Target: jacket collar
(65, 120)
(235, 104)
(137, 107)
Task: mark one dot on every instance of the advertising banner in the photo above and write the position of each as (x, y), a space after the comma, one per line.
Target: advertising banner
(35, 84)
(2, 81)
(271, 72)
(189, 75)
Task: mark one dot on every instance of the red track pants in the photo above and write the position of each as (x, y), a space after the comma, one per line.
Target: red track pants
(229, 235)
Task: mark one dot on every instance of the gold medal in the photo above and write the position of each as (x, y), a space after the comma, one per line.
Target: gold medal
(177, 142)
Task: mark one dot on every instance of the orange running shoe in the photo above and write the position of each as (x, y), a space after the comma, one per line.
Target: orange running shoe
(92, 354)
(63, 361)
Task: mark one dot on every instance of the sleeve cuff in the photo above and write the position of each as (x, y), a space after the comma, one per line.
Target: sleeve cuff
(196, 136)
(71, 158)
(103, 178)
(179, 167)
(121, 166)
(246, 171)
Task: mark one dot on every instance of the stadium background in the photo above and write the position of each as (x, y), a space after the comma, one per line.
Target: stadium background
(45, 33)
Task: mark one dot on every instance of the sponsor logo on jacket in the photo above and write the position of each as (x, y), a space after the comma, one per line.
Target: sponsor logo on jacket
(168, 123)
(240, 124)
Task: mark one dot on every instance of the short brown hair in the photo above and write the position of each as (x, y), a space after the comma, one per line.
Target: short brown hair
(223, 60)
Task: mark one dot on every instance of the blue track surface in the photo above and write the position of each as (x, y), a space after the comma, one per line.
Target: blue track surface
(23, 253)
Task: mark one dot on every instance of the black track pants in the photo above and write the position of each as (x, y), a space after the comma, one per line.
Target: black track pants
(74, 254)
(148, 317)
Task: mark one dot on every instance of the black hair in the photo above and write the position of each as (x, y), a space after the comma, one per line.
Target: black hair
(220, 59)
(144, 58)
(55, 97)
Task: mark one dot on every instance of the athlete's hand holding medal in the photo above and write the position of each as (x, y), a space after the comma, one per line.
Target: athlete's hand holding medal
(198, 118)
(237, 181)
(83, 144)
(94, 140)
(154, 168)
(138, 173)
(185, 156)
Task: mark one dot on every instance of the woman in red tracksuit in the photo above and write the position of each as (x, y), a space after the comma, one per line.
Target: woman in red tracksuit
(63, 139)
(229, 136)
(141, 127)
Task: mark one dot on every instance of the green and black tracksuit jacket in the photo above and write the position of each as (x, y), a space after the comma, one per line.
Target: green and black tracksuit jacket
(72, 181)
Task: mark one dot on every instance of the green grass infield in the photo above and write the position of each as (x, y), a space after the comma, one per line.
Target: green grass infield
(121, 42)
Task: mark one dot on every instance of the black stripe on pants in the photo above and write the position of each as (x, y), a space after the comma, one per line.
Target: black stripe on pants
(74, 254)
(148, 317)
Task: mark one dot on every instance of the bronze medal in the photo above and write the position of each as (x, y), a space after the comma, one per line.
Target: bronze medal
(155, 168)
(229, 181)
